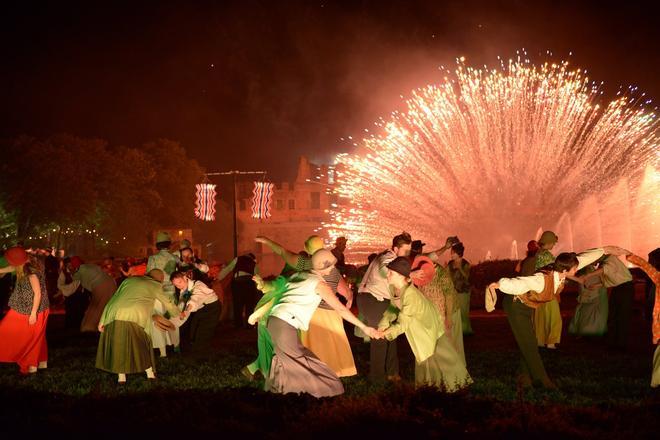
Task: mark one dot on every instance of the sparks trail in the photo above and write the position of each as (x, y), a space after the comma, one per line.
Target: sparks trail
(494, 154)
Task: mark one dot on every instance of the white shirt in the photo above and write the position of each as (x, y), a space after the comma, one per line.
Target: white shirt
(300, 301)
(375, 279)
(536, 282)
(201, 295)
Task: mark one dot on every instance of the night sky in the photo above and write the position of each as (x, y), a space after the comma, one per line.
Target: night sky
(254, 84)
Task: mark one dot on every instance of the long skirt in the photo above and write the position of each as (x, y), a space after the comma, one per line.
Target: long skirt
(159, 338)
(547, 323)
(655, 376)
(294, 368)
(590, 319)
(464, 305)
(456, 334)
(326, 338)
(21, 342)
(124, 347)
(101, 294)
(444, 369)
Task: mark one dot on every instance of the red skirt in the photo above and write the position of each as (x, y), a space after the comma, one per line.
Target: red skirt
(23, 343)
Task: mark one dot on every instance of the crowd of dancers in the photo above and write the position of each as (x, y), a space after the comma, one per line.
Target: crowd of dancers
(302, 344)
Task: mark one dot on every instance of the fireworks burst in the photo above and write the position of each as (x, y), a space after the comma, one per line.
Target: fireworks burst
(492, 155)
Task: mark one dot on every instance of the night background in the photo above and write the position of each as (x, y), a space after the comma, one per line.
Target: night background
(112, 112)
(280, 79)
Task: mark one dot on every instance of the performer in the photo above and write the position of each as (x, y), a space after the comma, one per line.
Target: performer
(436, 361)
(524, 294)
(527, 266)
(547, 317)
(441, 292)
(296, 369)
(650, 268)
(23, 329)
(166, 262)
(96, 281)
(326, 336)
(590, 317)
(459, 268)
(200, 311)
(126, 324)
(243, 289)
(373, 299)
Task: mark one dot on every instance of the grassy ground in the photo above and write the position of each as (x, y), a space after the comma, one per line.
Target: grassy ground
(601, 393)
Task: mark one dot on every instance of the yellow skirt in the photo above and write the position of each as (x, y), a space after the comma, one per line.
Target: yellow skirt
(327, 339)
(547, 323)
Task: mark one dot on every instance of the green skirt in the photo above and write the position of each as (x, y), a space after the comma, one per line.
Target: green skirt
(124, 347)
(444, 369)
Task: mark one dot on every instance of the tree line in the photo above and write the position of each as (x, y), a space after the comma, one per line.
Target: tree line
(68, 186)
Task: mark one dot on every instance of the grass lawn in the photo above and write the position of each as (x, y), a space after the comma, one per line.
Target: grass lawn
(601, 393)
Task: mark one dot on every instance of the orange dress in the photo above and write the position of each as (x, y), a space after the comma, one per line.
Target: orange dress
(23, 343)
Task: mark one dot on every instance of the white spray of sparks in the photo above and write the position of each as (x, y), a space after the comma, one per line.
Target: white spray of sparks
(492, 155)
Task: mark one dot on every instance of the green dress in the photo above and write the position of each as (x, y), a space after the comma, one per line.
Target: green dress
(125, 343)
(442, 293)
(437, 363)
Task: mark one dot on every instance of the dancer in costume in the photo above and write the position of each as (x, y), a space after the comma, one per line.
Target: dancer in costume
(440, 290)
(326, 336)
(525, 294)
(652, 269)
(200, 312)
(590, 317)
(437, 363)
(547, 317)
(96, 281)
(459, 268)
(165, 261)
(373, 300)
(527, 266)
(243, 289)
(617, 276)
(294, 368)
(23, 328)
(126, 324)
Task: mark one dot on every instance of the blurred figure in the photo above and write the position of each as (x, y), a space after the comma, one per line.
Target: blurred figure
(96, 281)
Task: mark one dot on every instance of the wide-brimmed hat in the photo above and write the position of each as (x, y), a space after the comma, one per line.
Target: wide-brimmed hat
(400, 265)
(163, 237)
(417, 245)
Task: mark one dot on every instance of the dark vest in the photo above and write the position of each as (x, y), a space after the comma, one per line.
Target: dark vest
(535, 299)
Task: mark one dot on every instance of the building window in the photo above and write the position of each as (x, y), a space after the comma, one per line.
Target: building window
(292, 204)
(331, 176)
(242, 205)
(316, 200)
(280, 204)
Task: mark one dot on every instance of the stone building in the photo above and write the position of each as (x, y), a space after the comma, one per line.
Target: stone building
(298, 210)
